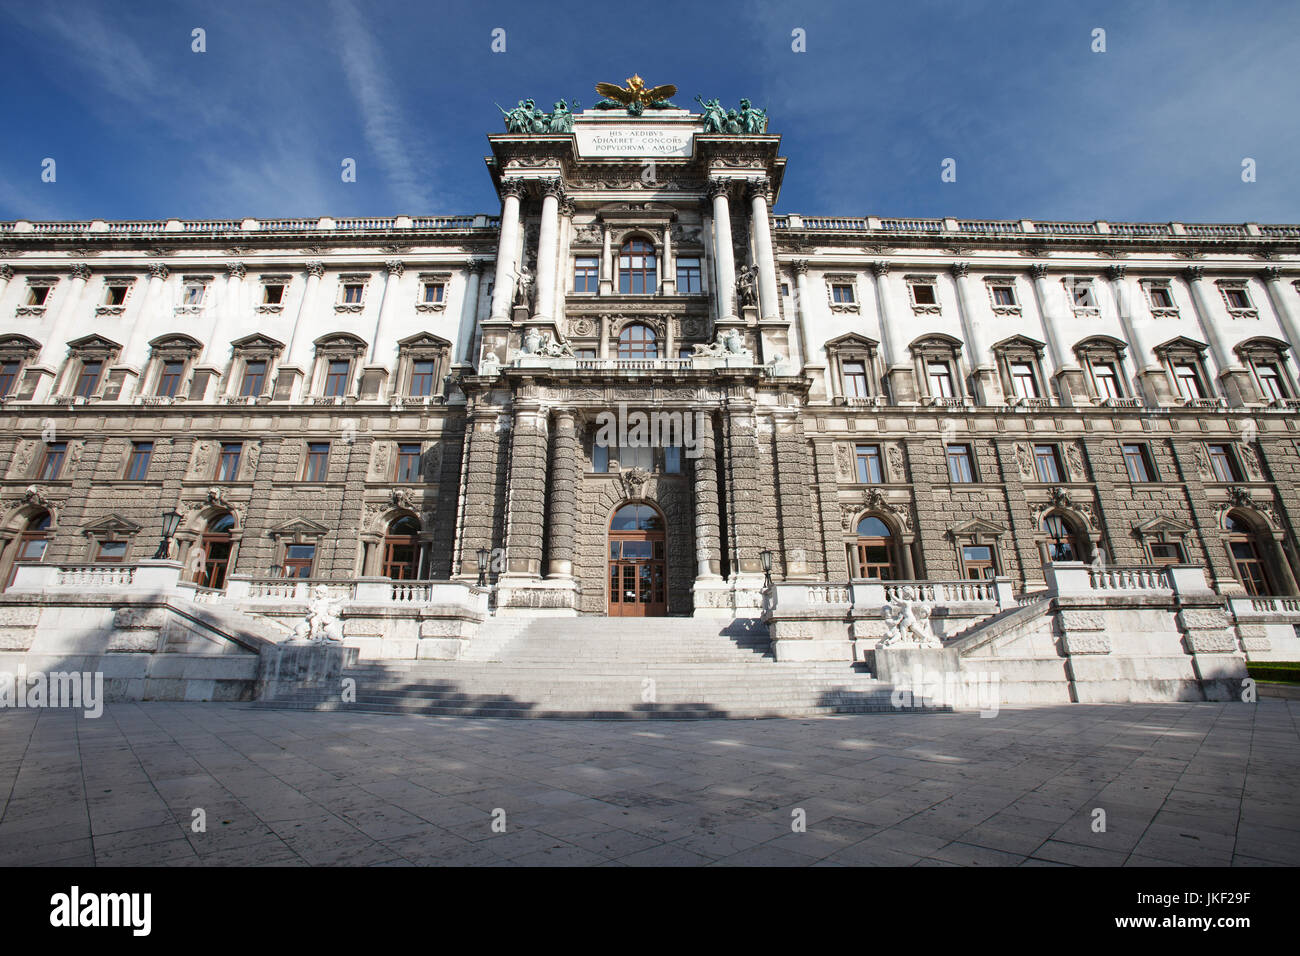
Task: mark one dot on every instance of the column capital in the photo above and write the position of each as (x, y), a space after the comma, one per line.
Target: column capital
(236, 270)
(315, 268)
(395, 267)
(960, 269)
(473, 266)
(513, 187)
(158, 270)
(880, 268)
(1115, 273)
(80, 271)
(800, 267)
(552, 187)
(6, 271)
(761, 186)
(1271, 274)
(718, 187)
(1038, 270)
(1193, 273)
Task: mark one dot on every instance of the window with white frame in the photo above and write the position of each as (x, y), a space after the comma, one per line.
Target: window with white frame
(1236, 298)
(274, 288)
(1081, 295)
(116, 291)
(1019, 361)
(842, 292)
(352, 293)
(37, 296)
(433, 291)
(923, 293)
(16, 353)
(1002, 295)
(1266, 359)
(251, 367)
(89, 359)
(1102, 358)
(855, 358)
(1183, 359)
(194, 294)
(1160, 298)
(170, 359)
(337, 359)
(938, 368)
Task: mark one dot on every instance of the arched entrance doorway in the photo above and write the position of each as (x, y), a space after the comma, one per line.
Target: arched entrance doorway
(402, 549)
(1247, 555)
(638, 577)
(215, 547)
(876, 551)
(32, 543)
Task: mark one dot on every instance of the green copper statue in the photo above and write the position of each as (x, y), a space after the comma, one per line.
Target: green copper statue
(527, 118)
(747, 119)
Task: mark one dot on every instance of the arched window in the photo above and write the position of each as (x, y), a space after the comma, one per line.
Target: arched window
(876, 550)
(636, 268)
(402, 549)
(1064, 543)
(1247, 555)
(33, 541)
(211, 562)
(638, 342)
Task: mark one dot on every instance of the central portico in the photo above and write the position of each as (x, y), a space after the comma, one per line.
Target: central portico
(635, 273)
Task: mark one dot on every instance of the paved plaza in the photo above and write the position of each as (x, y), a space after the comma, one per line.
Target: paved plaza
(1180, 784)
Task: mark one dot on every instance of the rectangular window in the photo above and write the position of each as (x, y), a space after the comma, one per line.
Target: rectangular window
(37, 294)
(870, 470)
(228, 463)
(318, 460)
(1160, 297)
(1103, 373)
(1138, 462)
(785, 290)
(169, 382)
(1081, 294)
(1048, 463)
(600, 458)
(298, 559)
(1188, 380)
(855, 380)
(1223, 463)
(137, 466)
(940, 380)
(433, 292)
(193, 294)
(688, 277)
(110, 551)
(8, 378)
(961, 464)
(641, 456)
(352, 293)
(842, 293)
(672, 460)
(1237, 298)
(591, 354)
(586, 274)
(977, 562)
(336, 378)
(408, 463)
(422, 375)
(254, 378)
(115, 294)
(1167, 552)
(923, 294)
(272, 293)
(52, 462)
(88, 381)
(1003, 295)
(1270, 382)
(1023, 381)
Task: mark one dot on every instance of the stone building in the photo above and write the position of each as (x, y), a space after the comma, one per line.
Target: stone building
(903, 399)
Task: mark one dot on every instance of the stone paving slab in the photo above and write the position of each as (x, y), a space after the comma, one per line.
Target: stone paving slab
(1180, 784)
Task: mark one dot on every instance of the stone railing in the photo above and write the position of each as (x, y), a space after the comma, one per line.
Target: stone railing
(242, 587)
(1255, 605)
(100, 227)
(871, 593)
(1139, 578)
(98, 579)
(1007, 227)
(95, 576)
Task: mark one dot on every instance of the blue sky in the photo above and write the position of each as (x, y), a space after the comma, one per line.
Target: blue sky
(1041, 127)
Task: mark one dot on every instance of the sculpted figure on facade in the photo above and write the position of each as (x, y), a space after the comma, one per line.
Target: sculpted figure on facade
(554, 348)
(524, 283)
(746, 287)
(323, 625)
(729, 344)
(907, 619)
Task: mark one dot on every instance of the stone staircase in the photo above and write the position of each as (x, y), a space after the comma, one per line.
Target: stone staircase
(609, 668)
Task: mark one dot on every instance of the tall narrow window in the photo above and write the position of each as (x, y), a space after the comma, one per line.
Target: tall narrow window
(870, 470)
(137, 466)
(1188, 380)
(336, 378)
(228, 464)
(52, 461)
(586, 274)
(88, 381)
(855, 380)
(353, 292)
(637, 269)
(940, 380)
(1047, 461)
(254, 378)
(961, 467)
(689, 281)
(422, 377)
(318, 457)
(1103, 373)
(169, 382)
(408, 462)
(1223, 463)
(8, 378)
(1138, 462)
(1023, 380)
(1270, 382)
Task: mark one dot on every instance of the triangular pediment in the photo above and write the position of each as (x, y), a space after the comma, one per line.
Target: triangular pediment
(258, 341)
(93, 342)
(424, 340)
(1162, 524)
(853, 340)
(112, 525)
(1020, 342)
(977, 526)
(299, 526)
(1181, 343)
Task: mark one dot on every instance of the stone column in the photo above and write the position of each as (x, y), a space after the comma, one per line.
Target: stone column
(478, 520)
(1069, 377)
(564, 497)
(6, 273)
(769, 300)
(228, 308)
(469, 311)
(1277, 293)
(548, 249)
(986, 384)
(508, 240)
(801, 312)
(705, 469)
(54, 348)
(898, 370)
(394, 270)
(1237, 383)
(744, 496)
(1153, 383)
(606, 262)
(722, 251)
(314, 272)
(603, 351)
(526, 492)
(793, 473)
(157, 280)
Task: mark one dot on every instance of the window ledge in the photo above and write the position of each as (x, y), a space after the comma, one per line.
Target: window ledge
(270, 308)
(926, 309)
(1244, 313)
(430, 306)
(1160, 313)
(30, 311)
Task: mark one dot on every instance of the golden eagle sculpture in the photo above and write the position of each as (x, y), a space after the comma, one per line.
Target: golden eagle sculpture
(636, 96)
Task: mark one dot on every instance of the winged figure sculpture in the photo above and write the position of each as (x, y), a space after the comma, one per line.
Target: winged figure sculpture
(636, 96)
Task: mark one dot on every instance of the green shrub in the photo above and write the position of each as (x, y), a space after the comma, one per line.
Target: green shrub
(1287, 672)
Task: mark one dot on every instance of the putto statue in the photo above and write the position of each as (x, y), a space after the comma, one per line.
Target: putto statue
(322, 624)
(747, 119)
(636, 97)
(908, 621)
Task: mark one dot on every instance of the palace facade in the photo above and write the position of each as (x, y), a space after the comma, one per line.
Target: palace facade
(419, 398)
